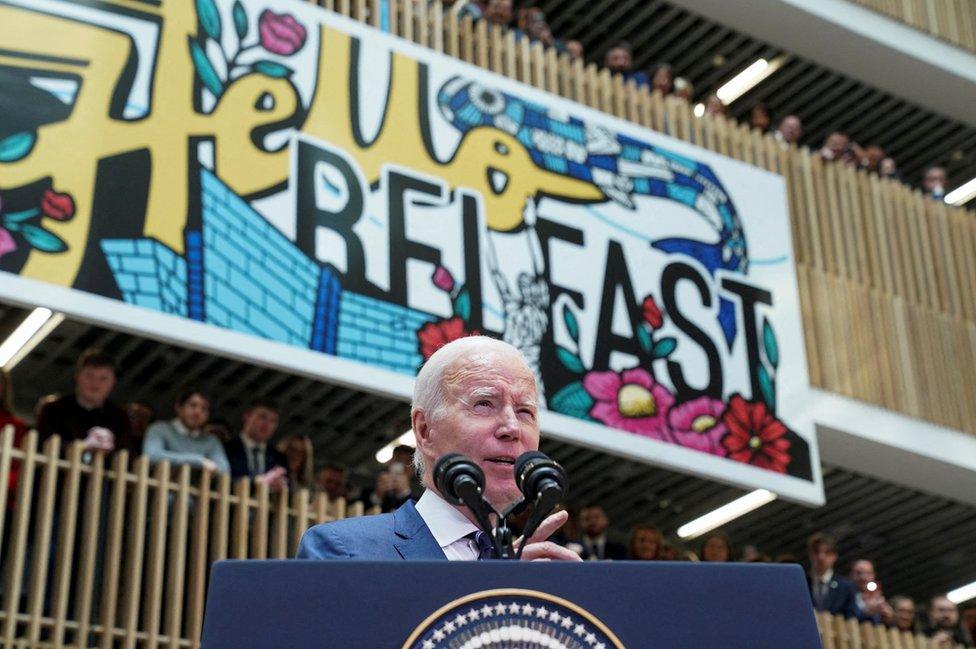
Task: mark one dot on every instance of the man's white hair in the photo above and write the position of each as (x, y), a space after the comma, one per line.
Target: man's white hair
(430, 387)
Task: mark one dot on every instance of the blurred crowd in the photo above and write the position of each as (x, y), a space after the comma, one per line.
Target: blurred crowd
(530, 22)
(190, 436)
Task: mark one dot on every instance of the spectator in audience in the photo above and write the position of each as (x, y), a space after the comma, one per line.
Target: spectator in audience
(749, 553)
(43, 401)
(888, 169)
(8, 418)
(619, 60)
(221, 429)
(575, 50)
(140, 416)
(969, 620)
(87, 414)
(499, 13)
(830, 592)
(714, 105)
(942, 623)
(759, 118)
(183, 440)
(716, 547)
(596, 546)
(250, 455)
(871, 603)
(662, 79)
(836, 147)
(300, 460)
(903, 613)
(669, 552)
(934, 182)
(790, 130)
(538, 30)
(462, 9)
(333, 479)
(645, 542)
(684, 89)
(872, 157)
(394, 484)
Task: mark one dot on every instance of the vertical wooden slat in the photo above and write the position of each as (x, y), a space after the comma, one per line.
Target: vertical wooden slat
(259, 531)
(242, 511)
(279, 541)
(300, 522)
(18, 537)
(135, 543)
(220, 539)
(176, 560)
(6, 466)
(156, 558)
(88, 555)
(198, 565)
(43, 527)
(113, 548)
(70, 491)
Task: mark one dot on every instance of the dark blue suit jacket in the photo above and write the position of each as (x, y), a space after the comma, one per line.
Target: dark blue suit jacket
(401, 534)
(841, 597)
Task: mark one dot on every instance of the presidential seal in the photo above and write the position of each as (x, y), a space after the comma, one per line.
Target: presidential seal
(513, 619)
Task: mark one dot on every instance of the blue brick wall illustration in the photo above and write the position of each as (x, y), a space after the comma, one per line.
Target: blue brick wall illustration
(255, 279)
(379, 333)
(148, 274)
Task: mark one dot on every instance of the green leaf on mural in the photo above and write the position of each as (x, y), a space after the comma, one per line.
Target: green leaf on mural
(644, 338)
(571, 324)
(664, 347)
(20, 217)
(572, 400)
(767, 388)
(570, 360)
(209, 18)
(272, 69)
(769, 342)
(240, 20)
(462, 304)
(16, 146)
(205, 69)
(42, 239)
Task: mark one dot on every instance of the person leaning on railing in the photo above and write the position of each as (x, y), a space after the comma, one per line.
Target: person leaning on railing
(183, 440)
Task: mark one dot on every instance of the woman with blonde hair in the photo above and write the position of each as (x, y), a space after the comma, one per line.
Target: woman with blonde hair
(301, 464)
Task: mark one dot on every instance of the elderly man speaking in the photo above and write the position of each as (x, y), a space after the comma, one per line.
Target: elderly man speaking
(475, 396)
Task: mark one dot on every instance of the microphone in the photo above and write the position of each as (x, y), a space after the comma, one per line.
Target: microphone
(544, 483)
(458, 479)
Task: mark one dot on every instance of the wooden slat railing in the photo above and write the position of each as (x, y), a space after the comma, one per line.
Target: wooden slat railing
(134, 544)
(874, 256)
(953, 21)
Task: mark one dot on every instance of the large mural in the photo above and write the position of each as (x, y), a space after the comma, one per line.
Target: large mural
(273, 169)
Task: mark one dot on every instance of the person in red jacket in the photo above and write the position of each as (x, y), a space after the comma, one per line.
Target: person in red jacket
(8, 418)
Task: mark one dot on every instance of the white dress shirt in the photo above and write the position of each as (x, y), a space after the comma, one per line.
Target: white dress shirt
(449, 527)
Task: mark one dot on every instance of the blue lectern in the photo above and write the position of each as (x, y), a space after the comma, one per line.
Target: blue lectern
(481, 605)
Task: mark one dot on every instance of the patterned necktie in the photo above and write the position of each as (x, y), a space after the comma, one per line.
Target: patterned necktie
(485, 549)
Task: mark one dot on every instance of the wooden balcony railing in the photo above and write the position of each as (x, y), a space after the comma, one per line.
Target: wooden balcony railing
(887, 276)
(117, 553)
(953, 21)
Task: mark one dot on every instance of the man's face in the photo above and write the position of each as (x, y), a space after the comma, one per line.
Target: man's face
(333, 482)
(618, 60)
(862, 572)
(489, 414)
(791, 128)
(935, 177)
(194, 411)
(594, 521)
(260, 424)
(904, 614)
(94, 384)
(822, 558)
(837, 143)
(140, 417)
(499, 12)
(943, 614)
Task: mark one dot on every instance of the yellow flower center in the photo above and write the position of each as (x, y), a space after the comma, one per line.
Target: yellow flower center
(703, 423)
(755, 442)
(636, 401)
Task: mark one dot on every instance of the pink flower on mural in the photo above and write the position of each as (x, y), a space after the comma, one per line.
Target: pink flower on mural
(631, 401)
(443, 279)
(281, 33)
(7, 243)
(698, 424)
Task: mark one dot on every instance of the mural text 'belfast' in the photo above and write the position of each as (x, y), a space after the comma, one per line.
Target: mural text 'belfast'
(272, 169)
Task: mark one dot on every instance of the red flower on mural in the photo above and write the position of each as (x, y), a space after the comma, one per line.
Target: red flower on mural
(651, 312)
(755, 436)
(281, 33)
(435, 335)
(56, 205)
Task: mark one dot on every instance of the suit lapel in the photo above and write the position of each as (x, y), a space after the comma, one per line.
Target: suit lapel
(413, 538)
